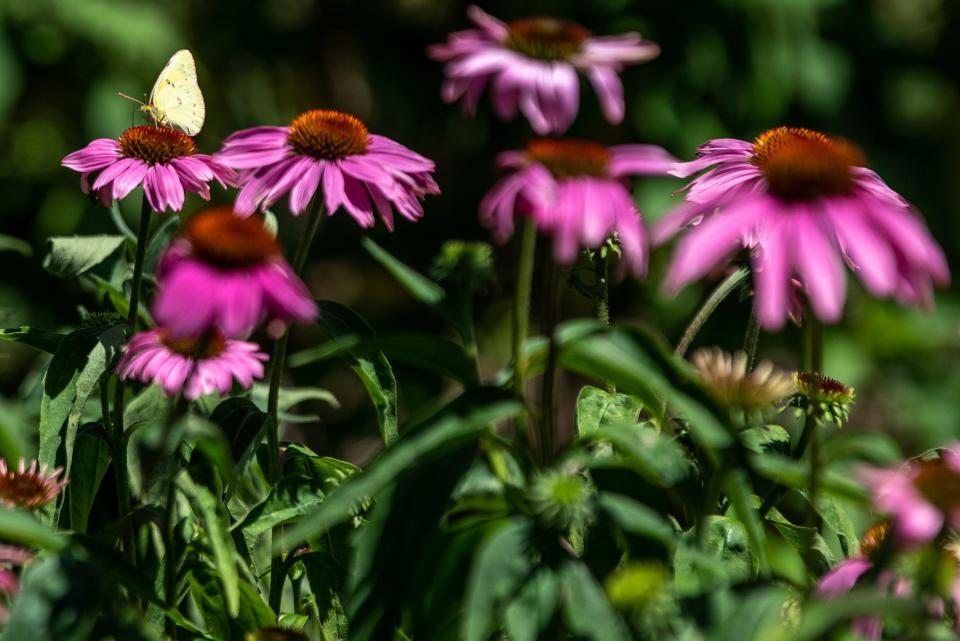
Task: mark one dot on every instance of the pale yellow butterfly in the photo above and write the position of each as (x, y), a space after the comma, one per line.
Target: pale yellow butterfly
(175, 100)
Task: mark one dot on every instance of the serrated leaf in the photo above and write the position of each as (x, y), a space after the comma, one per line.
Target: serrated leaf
(597, 408)
(339, 322)
(70, 256)
(500, 567)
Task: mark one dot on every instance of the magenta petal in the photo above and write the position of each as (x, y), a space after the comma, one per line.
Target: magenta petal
(819, 267)
(609, 90)
(333, 190)
(304, 189)
(771, 273)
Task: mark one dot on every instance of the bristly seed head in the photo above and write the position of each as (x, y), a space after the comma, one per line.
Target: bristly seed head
(568, 158)
(546, 38)
(226, 240)
(826, 398)
(328, 135)
(800, 164)
(155, 145)
(210, 345)
(873, 538)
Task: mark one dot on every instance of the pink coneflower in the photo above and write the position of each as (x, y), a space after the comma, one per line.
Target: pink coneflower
(531, 65)
(196, 366)
(165, 161)
(575, 191)
(920, 497)
(29, 487)
(804, 205)
(10, 555)
(227, 272)
(332, 151)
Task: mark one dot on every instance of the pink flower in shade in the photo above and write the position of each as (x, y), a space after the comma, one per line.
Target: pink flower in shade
(841, 580)
(29, 487)
(195, 366)
(804, 206)
(531, 65)
(577, 192)
(227, 272)
(10, 555)
(334, 152)
(920, 497)
(165, 161)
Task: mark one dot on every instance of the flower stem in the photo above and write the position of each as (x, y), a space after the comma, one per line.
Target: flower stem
(548, 389)
(751, 339)
(521, 312)
(124, 503)
(314, 217)
(717, 296)
(601, 270)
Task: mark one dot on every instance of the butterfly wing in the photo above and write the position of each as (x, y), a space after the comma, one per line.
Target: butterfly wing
(176, 100)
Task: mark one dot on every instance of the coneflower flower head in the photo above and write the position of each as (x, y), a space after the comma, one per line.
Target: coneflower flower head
(29, 487)
(228, 273)
(805, 206)
(728, 378)
(826, 398)
(165, 161)
(531, 66)
(334, 153)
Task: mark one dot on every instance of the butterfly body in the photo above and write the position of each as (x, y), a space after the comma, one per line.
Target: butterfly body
(175, 100)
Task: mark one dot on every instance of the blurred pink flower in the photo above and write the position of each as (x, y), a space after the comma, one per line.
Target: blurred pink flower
(577, 192)
(195, 366)
(531, 65)
(227, 272)
(804, 206)
(165, 161)
(920, 497)
(29, 487)
(332, 151)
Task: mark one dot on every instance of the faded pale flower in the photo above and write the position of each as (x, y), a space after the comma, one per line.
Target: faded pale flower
(728, 379)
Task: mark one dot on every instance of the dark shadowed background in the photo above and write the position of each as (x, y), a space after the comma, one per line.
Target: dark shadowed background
(883, 73)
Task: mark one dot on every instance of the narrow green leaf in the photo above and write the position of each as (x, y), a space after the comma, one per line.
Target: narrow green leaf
(41, 339)
(751, 614)
(501, 565)
(457, 423)
(421, 287)
(71, 256)
(339, 322)
(293, 496)
(819, 617)
(91, 455)
(531, 611)
(637, 518)
(9, 243)
(207, 590)
(18, 526)
(216, 529)
(738, 489)
(658, 458)
(586, 610)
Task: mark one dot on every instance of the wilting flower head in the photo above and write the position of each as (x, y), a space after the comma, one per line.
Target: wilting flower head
(195, 366)
(29, 487)
(332, 151)
(727, 377)
(920, 497)
(227, 272)
(826, 398)
(165, 161)
(804, 204)
(575, 191)
(531, 65)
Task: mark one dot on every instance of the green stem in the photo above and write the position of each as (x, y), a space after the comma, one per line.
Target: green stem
(526, 252)
(717, 296)
(752, 339)
(548, 389)
(601, 271)
(314, 218)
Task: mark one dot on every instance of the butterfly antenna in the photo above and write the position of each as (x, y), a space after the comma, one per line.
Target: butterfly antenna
(123, 95)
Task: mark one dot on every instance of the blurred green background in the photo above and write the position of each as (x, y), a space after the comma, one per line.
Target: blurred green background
(884, 73)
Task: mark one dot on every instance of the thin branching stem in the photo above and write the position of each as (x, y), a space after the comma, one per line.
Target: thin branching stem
(717, 296)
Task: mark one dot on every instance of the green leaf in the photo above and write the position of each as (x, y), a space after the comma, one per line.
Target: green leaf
(339, 322)
(18, 526)
(41, 339)
(421, 287)
(72, 375)
(207, 590)
(806, 541)
(586, 610)
(500, 567)
(737, 486)
(425, 351)
(636, 518)
(819, 617)
(241, 421)
(750, 614)
(9, 243)
(796, 474)
(293, 496)
(71, 256)
(597, 407)
(91, 455)
(659, 459)
(459, 422)
(216, 529)
(530, 612)
(725, 557)
(765, 437)
(290, 397)
(837, 520)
